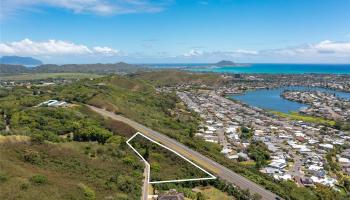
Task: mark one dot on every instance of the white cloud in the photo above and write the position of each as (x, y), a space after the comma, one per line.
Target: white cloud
(193, 53)
(245, 52)
(52, 48)
(100, 7)
(332, 47)
(318, 49)
(105, 50)
(60, 51)
(326, 50)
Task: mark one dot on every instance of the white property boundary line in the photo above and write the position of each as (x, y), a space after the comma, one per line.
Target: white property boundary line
(149, 167)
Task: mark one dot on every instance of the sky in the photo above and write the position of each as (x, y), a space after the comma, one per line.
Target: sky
(176, 31)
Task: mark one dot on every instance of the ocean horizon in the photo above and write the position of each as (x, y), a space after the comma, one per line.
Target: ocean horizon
(266, 68)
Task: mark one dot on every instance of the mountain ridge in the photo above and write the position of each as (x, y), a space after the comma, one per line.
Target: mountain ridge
(98, 68)
(19, 60)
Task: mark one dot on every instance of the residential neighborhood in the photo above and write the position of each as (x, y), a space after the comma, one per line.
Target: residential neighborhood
(321, 104)
(297, 149)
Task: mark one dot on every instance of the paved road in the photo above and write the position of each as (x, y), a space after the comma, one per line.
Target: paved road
(219, 170)
(295, 170)
(221, 134)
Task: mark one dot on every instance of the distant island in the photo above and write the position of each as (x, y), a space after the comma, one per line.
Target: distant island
(228, 63)
(225, 63)
(18, 60)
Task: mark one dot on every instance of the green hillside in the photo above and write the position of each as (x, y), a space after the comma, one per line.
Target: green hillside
(68, 154)
(74, 170)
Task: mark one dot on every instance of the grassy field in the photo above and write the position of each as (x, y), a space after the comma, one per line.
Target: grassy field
(211, 193)
(306, 118)
(42, 76)
(250, 163)
(13, 139)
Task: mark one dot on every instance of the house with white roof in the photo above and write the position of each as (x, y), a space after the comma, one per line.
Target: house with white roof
(226, 150)
(326, 146)
(279, 163)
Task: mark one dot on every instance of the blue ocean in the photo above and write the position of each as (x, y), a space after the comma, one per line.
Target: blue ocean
(264, 68)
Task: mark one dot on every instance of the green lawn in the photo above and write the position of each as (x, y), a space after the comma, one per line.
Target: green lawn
(305, 118)
(211, 193)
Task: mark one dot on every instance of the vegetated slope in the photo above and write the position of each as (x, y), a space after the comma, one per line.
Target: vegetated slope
(99, 68)
(97, 165)
(173, 77)
(137, 99)
(47, 76)
(165, 164)
(68, 171)
(6, 69)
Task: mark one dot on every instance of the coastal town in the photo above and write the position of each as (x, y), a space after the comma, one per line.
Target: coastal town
(304, 152)
(321, 104)
(307, 153)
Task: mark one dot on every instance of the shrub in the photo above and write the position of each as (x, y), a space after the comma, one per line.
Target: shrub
(89, 194)
(126, 184)
(31, 156)
(3, 177)
(39, 179)
(200, 196)
(116, 139)
(91, 132)
(37, 139)
(155, 167)
(24, 184)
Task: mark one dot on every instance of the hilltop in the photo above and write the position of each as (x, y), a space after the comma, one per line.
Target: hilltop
(225, 63)
(13, 69)
(18, 60)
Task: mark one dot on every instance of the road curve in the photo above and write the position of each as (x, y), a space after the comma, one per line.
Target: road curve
(219, 170)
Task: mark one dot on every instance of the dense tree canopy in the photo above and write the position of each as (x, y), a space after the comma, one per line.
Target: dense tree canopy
(259, 152)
